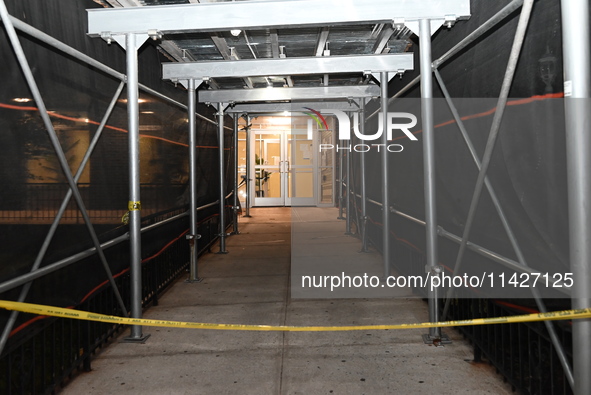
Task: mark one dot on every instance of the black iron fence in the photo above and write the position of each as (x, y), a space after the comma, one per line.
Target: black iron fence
(521, 352)
(39, 202)
(44, 353)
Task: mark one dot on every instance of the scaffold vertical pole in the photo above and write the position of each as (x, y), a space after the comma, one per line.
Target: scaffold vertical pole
(348, 189)
(385, 177)
(363, 180)
(248, 164)
(432, 266)
(340, 183)
(222, 217)
(577, 92)
(134, 205)
(193, 236)
(235, 195)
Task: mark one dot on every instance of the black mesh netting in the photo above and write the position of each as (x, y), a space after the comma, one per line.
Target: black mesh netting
(33, 184)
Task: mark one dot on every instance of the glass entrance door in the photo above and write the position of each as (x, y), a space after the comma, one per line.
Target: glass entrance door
(300, 158)
(268, 181)
(287, 167)
(284, 172)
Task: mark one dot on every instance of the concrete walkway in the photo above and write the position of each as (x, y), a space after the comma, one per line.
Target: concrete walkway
(251, 285)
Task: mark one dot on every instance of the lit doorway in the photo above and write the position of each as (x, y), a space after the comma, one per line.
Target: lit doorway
(287, 168)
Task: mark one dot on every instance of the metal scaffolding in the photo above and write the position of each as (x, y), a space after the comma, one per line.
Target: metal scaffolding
(373, 64)
(11, 25)
(16, 45)
(131, 27)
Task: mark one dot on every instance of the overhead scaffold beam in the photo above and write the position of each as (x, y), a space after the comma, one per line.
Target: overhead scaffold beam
(274, 108)
(283, 94)
(221, 16)
(287, 66)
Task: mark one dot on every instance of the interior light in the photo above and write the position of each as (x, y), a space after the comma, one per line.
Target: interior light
(22, 99)
(235, 32)
(147, 112)
(139, 100)
(279, 121)
(286, 113)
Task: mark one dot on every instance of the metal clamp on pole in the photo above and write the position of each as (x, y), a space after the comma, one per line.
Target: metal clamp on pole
(194, 251)
(433, 270)
(235, 214)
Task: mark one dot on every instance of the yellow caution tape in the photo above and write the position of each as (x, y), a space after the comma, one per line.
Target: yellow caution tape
(134, 206)
(84, 315)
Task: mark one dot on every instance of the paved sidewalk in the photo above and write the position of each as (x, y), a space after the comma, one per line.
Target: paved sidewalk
(250, 285)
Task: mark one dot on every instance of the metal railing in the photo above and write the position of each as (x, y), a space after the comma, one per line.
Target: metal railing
(39, 203)
(380, 233)
(524, 354)
(43, 357)
(38, 359)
